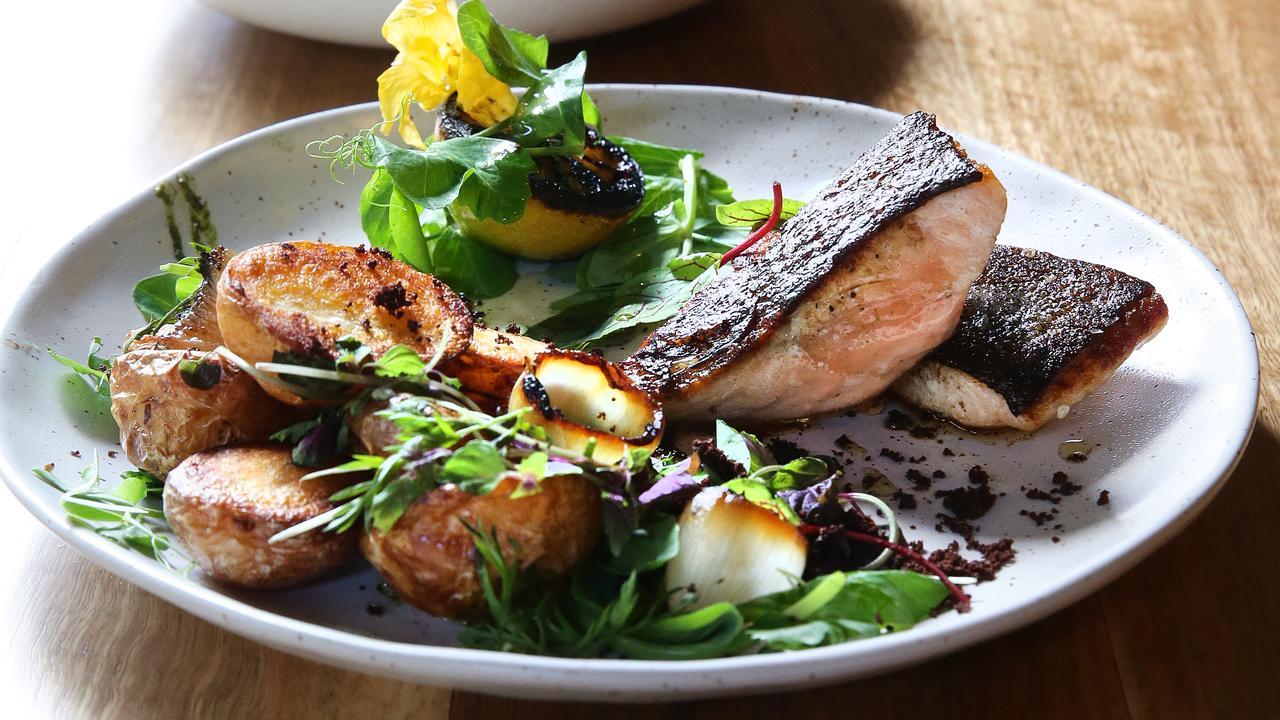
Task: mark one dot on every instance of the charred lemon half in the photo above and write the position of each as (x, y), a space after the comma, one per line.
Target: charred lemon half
(576, 201)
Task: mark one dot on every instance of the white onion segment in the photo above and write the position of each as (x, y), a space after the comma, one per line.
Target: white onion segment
(733, 550)
(578, 397)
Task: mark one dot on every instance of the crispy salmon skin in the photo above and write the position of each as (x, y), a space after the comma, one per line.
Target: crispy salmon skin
(858, 286)
(1038, 333)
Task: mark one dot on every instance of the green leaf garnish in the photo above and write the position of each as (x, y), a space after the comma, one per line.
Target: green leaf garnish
(512, 56)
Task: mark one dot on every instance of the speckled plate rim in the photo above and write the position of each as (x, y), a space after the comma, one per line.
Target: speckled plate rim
(631, 680)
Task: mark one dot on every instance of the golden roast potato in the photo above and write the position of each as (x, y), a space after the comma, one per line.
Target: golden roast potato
(225, 504)
(164, 417)
(302, 297)
(430, 558)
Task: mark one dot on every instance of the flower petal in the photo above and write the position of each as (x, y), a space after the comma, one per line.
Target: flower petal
(486, 99)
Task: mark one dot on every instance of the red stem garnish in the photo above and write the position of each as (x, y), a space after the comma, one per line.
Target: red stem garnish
(962, 600)
(761, 231)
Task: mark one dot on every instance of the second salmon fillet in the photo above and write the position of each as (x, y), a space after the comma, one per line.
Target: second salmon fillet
(858, 287)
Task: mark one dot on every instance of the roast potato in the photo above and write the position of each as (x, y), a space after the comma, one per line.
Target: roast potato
(430, 558)
(163, 418)
(225, 504)
(489, 368)
(300, 298)
(195, 327)
(577, 200)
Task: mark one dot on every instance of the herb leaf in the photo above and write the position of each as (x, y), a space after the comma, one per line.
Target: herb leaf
(493, 173)
(512, 56)
(552, 108)
(95, 370)
(841, 606)
(128, 514)
(748, 213)
(473, 269)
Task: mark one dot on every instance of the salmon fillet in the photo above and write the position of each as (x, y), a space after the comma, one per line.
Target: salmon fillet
(855, 290)
(1038, 333)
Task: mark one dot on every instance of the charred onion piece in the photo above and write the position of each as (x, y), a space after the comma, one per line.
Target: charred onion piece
(577, 201)
(733, 550)
(578, 397)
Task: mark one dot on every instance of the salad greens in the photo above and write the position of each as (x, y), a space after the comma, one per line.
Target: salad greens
(94, 369)
(644, 272)
(669, 247)
(128, 513)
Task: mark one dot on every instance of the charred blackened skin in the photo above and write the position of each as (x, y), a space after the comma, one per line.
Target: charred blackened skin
(1031, 315)
(737, 311)
(604, 180)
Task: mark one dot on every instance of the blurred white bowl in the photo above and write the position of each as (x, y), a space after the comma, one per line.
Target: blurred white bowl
(359, 22)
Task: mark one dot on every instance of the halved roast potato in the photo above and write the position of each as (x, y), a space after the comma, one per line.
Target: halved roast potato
(225, 504)
(430, 557)
(300, 298)
(577, 201)
(580, 398)
(165, 417)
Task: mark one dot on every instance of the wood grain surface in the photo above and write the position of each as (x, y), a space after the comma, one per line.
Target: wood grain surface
(1171, 105)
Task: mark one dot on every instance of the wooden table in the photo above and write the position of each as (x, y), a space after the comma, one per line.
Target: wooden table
(1171, 105)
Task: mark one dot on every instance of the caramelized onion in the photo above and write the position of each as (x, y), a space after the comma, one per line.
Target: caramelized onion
(578, 397)
(733, 550)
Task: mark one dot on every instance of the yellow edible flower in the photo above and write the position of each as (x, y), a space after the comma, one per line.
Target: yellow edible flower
(433, 63)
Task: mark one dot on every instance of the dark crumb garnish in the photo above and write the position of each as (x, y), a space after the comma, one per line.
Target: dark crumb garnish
(394, 299)
(917, 460)
(978, 475)
(969, 503)
(845, 442)
(75, 453)
(513, 328)
(1063, 486)
(413, 326)
(1056, 539)
(898, 420)
(956, 526)
(919, 481)
(938, 474)
(994, 557)
(948, 452)
(905, 500)
(716, 461)
(113, 453)
(924, 432)
(1039, 518)
(502, 339)
(375, 609)
(893, 455)
(1104, 497)
(784, 451)
(1038, 494)
(1076, 457)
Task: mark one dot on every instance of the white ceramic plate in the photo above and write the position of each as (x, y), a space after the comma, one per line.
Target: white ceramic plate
(1169, 427)
(359, 22)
